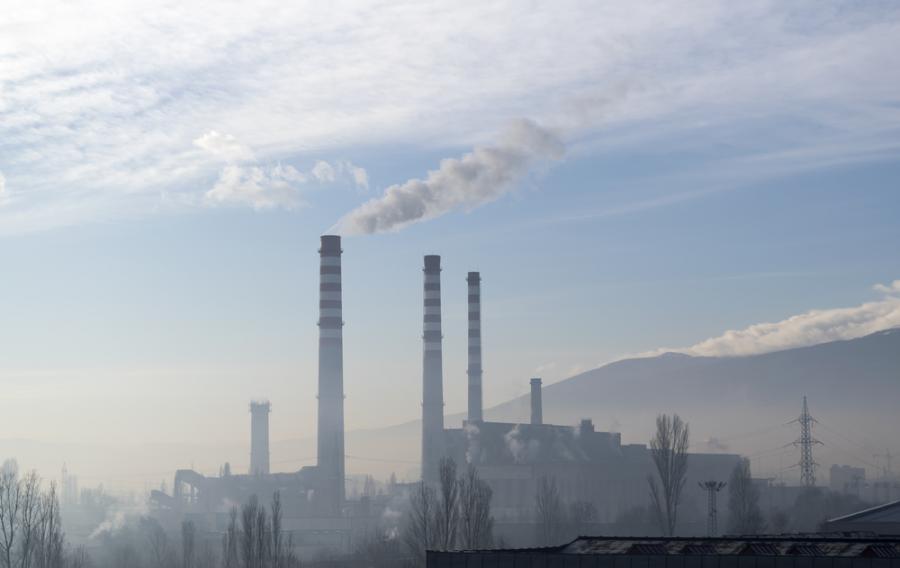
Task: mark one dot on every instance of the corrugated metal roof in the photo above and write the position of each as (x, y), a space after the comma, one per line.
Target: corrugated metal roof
(800, 545)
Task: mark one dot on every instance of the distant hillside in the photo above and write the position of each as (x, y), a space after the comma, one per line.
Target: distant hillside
(732, 403)
(735, 404)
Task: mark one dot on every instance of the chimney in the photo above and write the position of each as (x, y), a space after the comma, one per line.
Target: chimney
(537, 409)
(586, 426)
(331, 374)
(474, 371)
(432, 373)
(259, 437)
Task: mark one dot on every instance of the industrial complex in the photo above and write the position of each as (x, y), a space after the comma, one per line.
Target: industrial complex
(591, 466)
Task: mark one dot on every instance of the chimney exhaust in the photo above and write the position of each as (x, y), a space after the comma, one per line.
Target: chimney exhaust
(259, 437)
(537, 410)
(432, 372)
(474, 370)
(331, 374)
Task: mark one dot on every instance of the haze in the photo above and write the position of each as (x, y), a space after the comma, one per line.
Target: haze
(713, 179)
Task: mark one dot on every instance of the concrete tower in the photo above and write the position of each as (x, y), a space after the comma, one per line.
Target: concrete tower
(537, 407)
(259, 437)
(432, 373)
(331, 374)
(474, 371)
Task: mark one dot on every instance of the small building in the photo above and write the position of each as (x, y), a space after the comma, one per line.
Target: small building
(800, 551)
(880, 520)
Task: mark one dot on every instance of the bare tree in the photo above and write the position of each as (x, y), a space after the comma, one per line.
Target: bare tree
(262, 547)
(581, 515)
(230, 541)
(744, 514)
(550, 512)
(50, 540)
(79, 559)
(668, 449)
(476, 523)
(10, 503)
(419, 530)
(161, 555)
(188, 544)
(248, 532)
(29, 518)
(448, 508)
(277, 547)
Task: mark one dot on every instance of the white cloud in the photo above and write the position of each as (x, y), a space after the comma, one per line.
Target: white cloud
(323, 172)
(810, 328)
(224, 146)
(479, 177)
(264, 187)
(891, 288)
(257, 187)
(3, 195)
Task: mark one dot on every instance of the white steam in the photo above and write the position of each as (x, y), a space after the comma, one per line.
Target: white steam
(522, 450)
(479, 177)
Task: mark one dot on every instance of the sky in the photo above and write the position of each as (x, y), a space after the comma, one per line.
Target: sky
(715, 177)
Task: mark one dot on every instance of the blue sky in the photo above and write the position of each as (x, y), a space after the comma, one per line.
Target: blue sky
(166, 174)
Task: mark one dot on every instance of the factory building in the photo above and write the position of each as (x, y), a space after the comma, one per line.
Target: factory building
(313, 499)
(588, 466)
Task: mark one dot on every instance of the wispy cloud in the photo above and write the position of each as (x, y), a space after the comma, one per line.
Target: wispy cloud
(101, 101)
(266, 187)
(892, 288)
(802, 330)
(224, 146)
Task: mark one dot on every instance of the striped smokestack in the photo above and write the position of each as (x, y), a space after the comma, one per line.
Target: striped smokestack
(331, 375)
(432, 373)
(259, 437)
(474, 370)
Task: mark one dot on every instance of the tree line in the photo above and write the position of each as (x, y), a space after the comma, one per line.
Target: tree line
(455, 514)
(31, 534)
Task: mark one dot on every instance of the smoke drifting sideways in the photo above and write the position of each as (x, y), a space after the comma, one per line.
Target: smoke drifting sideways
(478, 177)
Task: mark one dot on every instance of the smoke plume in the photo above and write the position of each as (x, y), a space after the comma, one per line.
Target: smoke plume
(479, 177)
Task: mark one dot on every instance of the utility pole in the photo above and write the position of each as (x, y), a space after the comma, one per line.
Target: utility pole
(712, 520)
(806, 442)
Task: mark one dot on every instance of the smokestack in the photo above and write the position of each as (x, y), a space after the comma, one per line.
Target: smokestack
(474, 371)
(331, 373)
(259, 437)
(537, 407)
(432, 373)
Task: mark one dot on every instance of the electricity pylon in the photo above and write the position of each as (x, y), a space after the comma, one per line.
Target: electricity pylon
(712, 519)
(806, 442)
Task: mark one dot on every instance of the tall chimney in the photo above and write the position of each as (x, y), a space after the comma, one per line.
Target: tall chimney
(537, 410)
(474, 371)
(331, 374)
(432, 373)
(259, 437)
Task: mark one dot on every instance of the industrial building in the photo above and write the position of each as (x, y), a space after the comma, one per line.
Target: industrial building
(796, 551)
(880, 520)
(315, 509)
(588, 466)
